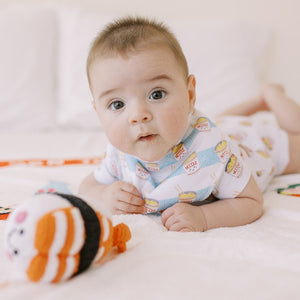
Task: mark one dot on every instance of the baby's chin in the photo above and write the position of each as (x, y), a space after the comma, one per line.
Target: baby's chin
(150, 157)
(148, 153)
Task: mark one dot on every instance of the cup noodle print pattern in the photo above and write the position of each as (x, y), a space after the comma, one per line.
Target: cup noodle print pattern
(205, 161)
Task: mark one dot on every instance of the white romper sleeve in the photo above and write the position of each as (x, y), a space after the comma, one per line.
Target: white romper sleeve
(109, 170)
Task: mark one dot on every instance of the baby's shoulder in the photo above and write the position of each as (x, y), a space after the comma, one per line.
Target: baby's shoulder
(112, 153)
(205, 133)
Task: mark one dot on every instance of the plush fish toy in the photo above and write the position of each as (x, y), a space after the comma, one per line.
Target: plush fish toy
(52, 237)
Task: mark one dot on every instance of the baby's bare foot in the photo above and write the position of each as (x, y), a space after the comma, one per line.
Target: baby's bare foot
(286, 111)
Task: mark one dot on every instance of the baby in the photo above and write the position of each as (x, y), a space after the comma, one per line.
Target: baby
(164, 155)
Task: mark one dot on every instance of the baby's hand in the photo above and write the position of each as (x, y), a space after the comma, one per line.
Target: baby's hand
(124, 198)
(184, 217)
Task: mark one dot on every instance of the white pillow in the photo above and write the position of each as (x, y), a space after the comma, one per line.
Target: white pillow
(78, 29)
(225, 56)
(28, 65)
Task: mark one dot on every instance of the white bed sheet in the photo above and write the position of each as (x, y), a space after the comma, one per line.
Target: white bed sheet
(257, 261)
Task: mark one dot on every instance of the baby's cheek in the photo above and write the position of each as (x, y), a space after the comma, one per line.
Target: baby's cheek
(118, 136)
(175, 122)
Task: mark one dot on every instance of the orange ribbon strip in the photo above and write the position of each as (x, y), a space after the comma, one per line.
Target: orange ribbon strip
(53, 162)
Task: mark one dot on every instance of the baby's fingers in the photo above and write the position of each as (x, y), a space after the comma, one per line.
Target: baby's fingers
(131, 199)
(129, 188)
(125, 208)
(130, 203)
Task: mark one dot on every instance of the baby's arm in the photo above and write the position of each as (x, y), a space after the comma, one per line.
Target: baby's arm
(244, 209)
(120, 197)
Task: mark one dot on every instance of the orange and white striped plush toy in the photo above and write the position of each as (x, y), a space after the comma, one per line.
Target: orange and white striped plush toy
(52, 237)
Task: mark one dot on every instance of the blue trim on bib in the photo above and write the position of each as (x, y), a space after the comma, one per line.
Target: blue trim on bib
(201, 195)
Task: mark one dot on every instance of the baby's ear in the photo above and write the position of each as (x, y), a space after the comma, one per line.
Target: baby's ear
(191, 85)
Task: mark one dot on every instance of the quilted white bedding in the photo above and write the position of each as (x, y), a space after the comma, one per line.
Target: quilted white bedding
(257, 261)
(239, 44)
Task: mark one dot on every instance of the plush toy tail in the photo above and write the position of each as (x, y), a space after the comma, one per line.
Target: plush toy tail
(121, 235)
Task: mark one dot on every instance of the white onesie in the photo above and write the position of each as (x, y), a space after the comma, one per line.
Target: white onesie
(210, 159)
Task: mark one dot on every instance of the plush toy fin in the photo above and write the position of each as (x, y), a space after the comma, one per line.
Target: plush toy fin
(121, 236)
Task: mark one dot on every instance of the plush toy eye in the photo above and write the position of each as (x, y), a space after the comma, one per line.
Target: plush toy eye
(16, 252)
(21, 231)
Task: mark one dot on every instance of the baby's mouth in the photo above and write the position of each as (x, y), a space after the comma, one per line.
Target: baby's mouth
(146, 137)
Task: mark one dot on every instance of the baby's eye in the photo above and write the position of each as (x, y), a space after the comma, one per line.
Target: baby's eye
(156, 95)
(116, 105)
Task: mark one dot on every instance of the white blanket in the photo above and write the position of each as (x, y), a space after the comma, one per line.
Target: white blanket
(257, 261)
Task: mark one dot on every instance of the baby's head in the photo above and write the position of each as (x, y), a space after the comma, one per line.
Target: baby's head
(128, 35)
(142, 92)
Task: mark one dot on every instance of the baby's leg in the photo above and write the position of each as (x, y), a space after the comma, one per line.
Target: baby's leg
(287, 111)
(294, 149)
(272, 98)
(247, 108)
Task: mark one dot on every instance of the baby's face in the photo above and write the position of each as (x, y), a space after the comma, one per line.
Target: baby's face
(143, 101)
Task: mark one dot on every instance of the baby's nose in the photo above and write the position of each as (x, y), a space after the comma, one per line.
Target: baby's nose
(140, 115)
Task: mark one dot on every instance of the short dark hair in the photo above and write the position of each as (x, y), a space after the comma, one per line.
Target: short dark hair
(130, 34)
